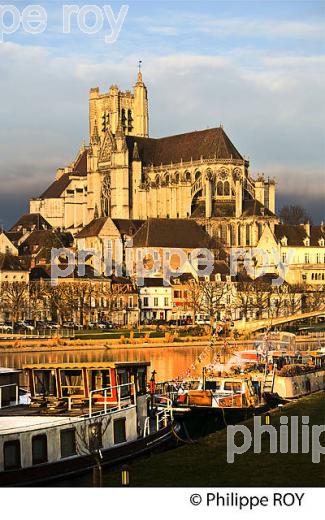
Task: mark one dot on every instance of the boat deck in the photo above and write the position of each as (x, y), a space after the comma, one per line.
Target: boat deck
(76, 411)
(14, 419)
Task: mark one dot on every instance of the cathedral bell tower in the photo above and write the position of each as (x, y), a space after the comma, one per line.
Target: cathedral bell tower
(130, 109)
(140, 108)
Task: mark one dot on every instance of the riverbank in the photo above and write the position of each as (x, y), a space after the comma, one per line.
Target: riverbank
(73, 345)
(204, 462)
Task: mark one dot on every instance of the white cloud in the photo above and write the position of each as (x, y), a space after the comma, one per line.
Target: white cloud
(271, 106)
(266, 28)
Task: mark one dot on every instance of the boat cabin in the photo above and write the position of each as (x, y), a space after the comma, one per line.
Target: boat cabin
(9, 384)
(215, 391)
(309, 359)
(108, 382)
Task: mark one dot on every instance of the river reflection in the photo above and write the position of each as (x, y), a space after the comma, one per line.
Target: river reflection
(168, 362)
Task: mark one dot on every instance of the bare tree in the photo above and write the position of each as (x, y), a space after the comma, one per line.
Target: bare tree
(14, 295)
(193, 297)
(294, 214)
(89, 441)
(36, 298)
(246, 298)
(212, 297)
(295, 293)
(57, 300)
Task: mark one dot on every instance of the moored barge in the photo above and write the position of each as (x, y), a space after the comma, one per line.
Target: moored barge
(80, 416)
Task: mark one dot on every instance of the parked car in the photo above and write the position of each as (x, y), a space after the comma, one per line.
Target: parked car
(6, 327)
(182, 322)
(108, 325)
(68, 325)
(24, 325)
(72, 325)
(52, 325)
(202, 319)
(159, 322)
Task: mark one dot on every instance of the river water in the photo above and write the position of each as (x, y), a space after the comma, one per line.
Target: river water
(168, 362)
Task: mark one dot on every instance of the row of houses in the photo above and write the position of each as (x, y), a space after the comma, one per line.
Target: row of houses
(157, 269)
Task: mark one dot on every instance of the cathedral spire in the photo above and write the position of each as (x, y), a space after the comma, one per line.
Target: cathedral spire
(139, 80)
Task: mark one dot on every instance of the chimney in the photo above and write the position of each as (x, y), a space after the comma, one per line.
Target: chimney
(307, 228)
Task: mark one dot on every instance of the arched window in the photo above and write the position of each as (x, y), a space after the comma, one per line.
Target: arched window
(226, 188)
(123, 118)
(157, 181)
(259, 230)
(247, 234)
(177, 178)
(197, 175)
(167, 179)
(224, 233)
(130, 120)
(220, 188)
(188, 176)
(232, 235)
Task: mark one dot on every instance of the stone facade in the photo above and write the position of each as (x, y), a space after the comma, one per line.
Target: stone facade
(124, 174)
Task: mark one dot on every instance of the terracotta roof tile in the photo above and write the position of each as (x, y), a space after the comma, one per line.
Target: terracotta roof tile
(56, 189)
(209, 143)
(30, 221)
(127, 226)
(228, 209)
(253, 208)
(178, 233)
(93, 228)
(11, 263)
(294, 234)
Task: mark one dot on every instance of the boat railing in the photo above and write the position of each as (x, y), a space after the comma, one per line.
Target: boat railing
(16, 395)
(161, 417)
(122, 401)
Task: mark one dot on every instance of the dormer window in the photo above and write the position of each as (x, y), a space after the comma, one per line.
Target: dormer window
(284, 241)
(306, 242)
(321, 242)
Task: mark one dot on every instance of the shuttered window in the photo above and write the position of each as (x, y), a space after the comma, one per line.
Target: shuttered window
(68, 443)
(11, 455)
(119, 431)
(39, 449)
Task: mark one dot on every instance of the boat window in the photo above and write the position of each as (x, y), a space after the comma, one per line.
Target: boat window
(71, 382)
(234, 387)
(95, 437)
(68, 443)
(119, 430)
(123, 379)
(39, 449)
(11, 455)
(212, 385)
(100, 379)
(141, 381)
(44, 382)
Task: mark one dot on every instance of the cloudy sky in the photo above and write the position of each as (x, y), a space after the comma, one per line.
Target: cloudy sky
(256, 67)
